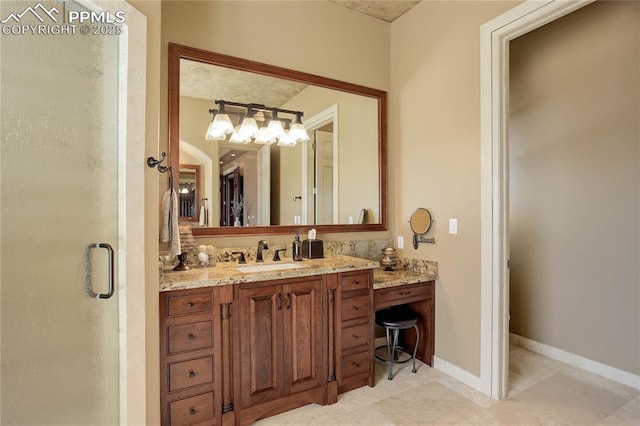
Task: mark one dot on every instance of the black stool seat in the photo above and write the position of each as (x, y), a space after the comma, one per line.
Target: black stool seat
(394, 320)
(401, 319)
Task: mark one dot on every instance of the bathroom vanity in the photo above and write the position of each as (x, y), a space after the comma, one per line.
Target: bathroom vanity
(238, 346)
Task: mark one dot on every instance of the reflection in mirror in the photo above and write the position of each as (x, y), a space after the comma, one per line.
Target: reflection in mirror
(334, 179)
(188, 191)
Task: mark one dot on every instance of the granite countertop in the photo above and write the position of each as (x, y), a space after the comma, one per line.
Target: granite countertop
(224, 273)
(385, 279)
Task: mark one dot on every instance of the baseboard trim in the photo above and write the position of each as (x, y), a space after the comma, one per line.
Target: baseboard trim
(612, 373)
(458, 373)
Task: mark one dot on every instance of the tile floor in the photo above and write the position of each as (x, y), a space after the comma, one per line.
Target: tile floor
(543, 391)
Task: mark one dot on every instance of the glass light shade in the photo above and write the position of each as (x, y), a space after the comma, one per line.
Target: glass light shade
(214, 134)
(264, 137)
(249, 128)
(222, 123)
(236, 137)
(287, 140)
(275, 129)
(299, 133)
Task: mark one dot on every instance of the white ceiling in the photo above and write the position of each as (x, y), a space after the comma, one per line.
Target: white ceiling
(387, 10)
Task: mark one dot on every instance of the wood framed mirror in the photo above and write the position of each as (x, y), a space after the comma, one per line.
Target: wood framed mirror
(325, 183)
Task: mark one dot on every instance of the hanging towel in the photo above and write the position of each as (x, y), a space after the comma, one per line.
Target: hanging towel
(170, 232)
(203, 216)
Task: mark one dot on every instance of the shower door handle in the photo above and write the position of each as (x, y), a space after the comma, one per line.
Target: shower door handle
(111, 278)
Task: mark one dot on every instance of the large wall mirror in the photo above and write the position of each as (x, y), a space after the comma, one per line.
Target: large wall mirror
(336, 181)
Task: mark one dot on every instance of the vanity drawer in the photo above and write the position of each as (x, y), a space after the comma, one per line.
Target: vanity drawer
(188, 337)
(192, 410)
(189, 304)
(355, 336)
(402, 294)
(190, 373)
(355, 281)
(355, 307)
(355, 365)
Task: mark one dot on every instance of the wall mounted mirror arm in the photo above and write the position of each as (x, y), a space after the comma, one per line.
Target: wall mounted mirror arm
(420, 223)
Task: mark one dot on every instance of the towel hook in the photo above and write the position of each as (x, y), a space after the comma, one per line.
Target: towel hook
(152, 162)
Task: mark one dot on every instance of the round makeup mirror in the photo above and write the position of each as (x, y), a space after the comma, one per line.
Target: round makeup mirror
(420, 223)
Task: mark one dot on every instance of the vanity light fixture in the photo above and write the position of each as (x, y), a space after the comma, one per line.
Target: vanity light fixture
(221, 124)
(248, 131)
(275, 128)
(298, 132)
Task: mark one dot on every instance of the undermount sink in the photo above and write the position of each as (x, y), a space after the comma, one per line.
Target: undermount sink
(268, 267)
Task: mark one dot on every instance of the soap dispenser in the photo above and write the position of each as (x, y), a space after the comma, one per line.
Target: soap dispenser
(297, 248)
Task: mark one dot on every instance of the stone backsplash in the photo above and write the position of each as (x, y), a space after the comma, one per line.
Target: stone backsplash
(365, 249)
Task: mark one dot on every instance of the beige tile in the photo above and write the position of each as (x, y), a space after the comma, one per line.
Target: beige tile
(432, 403)
(602, 382)
(507, 412)
(563, 399)
(527, 368)
(333, 415)
(628, 414)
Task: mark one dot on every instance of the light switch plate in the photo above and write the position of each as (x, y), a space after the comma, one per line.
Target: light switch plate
(453, 226)
(400, 242)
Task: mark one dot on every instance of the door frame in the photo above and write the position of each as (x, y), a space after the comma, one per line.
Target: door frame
(312, 124)
(495, 36)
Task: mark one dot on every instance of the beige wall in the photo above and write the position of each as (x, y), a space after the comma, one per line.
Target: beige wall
(435, 156)
(238, 29)
(575, 184)
(152, 10)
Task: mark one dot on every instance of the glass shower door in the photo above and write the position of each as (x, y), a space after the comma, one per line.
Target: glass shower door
(59, 349)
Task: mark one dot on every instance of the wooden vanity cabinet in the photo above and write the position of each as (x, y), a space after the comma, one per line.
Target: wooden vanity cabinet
(280, 346)
(354, 331)
(420, 298)
(189, 390)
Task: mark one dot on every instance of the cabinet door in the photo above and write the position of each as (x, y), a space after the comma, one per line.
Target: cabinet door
(261, 344)
(303, 335)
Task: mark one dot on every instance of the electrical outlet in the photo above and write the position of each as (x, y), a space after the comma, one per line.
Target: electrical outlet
(400, 242)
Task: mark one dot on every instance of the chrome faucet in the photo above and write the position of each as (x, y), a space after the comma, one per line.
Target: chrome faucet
(262, 244)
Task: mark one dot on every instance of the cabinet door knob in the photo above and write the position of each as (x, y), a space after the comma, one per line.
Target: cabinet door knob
(356, 308)
(190, 304)
(192, 412)
(356, 364)
(356, 282)
(190, 336)
(192, 373)
(355, 336)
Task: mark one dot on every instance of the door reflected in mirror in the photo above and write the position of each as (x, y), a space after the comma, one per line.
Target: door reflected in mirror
(188, 202)
(329, 180)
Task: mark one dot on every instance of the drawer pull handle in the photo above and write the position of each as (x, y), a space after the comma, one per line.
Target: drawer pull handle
(355, 336)
(192, 412)
(356, 308)
(405, 293)
(190, 336)
(190, 304)
(356, 364)
(356, 282)
(279, 301)
(192, 374)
